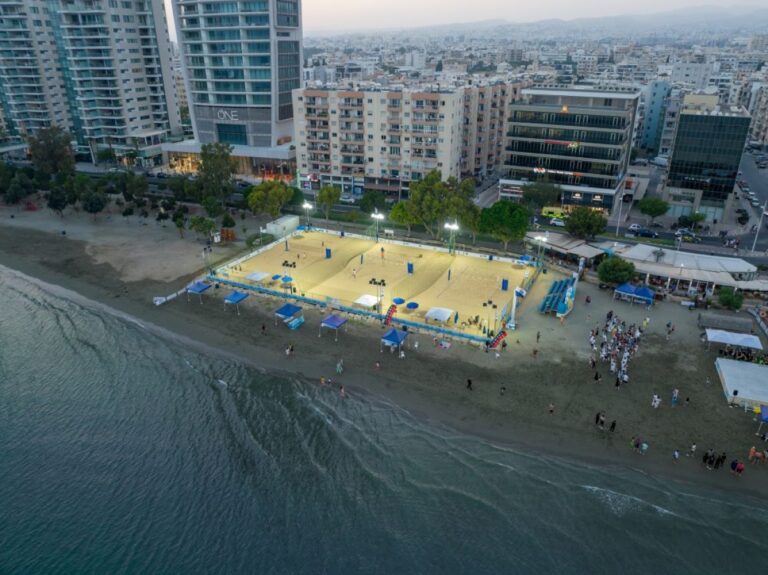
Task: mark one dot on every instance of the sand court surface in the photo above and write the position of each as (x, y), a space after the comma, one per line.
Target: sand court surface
(460, 283)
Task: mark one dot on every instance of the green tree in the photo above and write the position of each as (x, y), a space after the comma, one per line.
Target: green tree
(470, 220)
(17, 190)
(372, 201)
(57, 200)
(227, 221)
(614, 270)
(177, 185)
(215, 171)
(6, 175)
(434, 202)
(105, 155)
(202, 226)
(93, 202)
(584, 222)
(76, 186)
(212, 207)
(537, 195)
(505, 221)
(696, 218)
(402, 213)
(178, 220)
(327, 197)
(730, 298)
(50, 150)
(653, 207)
(42, 180)
(136, 185)
(269, 197)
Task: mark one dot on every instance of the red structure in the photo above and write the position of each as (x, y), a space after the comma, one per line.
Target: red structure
(498, 339)
(390, 312)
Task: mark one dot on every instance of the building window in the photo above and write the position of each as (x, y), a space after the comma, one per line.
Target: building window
(231, 134)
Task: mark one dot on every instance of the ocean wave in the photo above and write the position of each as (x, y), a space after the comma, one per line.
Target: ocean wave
(622, 503)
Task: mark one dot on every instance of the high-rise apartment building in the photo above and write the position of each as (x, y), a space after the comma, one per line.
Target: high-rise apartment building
(577, 138)
(376, 140)
(709, 143)
(484, 125)
(242, 59)
(97, 68)
(654, 100)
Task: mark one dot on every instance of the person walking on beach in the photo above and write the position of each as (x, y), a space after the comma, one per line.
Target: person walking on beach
(675, 396)
(538, 336)
(502, 389)
(535, 352)
(675, 456)
(551, 409)
(354, 273)
(263, 329)
(340, 366)
(612, 428)
(342, 393)
(598, 377)
(601, 422)
(691, 450)
(597, 418)
(469, 384)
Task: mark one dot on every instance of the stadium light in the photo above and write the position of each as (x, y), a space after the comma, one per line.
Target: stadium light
(378, 216)
(307, 206)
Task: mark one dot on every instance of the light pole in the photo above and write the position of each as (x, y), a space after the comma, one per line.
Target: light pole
(618, 221)
(491, 306)
(380, 285)
(307, 206)
(377, 216)
(542, 240)
(452, 229)
(759, 225)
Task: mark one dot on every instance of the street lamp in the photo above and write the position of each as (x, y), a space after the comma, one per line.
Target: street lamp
(307, 206)
(542, 240)
(452, 229)
(489, 305)
(759, 225)
(380, 285)
(377, 216)
(618, 221)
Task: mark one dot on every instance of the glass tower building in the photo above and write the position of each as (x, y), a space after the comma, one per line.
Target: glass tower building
(709, 143)
(100, 69)
(242, 60)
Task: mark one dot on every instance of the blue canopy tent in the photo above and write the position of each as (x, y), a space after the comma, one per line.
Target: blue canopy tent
(624, 291)
(198, 288)
(393, 338)
(234, 299)
(291, 315)
(763, 417)
(645, 295)
(333, 322)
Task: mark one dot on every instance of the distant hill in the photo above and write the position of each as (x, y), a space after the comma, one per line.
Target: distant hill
(681, 22)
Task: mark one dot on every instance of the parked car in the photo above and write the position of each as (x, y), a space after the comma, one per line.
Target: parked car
(347, 199)
(755, 203)
(644, 233)
(557, 222)
(161, 175)
(684, 231)
(691, 238)
(634, 228)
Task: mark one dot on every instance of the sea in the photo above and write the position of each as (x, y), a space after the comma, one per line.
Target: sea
(125, 451)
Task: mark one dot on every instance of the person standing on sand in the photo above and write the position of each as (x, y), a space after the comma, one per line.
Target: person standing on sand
(263, 329)
(354, 273)
(597, 418)
(538, 336)
(535, 352)
(502, 389)
(601, 422)
(612, 428)
(340, 366)
(598, 377)
(551, 409)
(342, 393)
(675, 396)
(469, 384)
(691, 450)
(675, 456)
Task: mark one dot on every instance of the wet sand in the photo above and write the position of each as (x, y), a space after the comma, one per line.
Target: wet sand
(431, 382)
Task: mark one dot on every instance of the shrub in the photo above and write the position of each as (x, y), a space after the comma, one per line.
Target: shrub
(731, 299)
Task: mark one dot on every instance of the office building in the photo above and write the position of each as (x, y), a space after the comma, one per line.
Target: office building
(654, 105)
(709, 142)
(100, 69)
(577, 138)
(242, 59)
(376, 139)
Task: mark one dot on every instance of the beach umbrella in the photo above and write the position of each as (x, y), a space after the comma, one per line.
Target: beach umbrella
(412, 305)
(276, 277)
(287, 279)
(398, 301)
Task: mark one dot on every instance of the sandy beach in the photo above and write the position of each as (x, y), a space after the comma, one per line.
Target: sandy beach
(123, 265)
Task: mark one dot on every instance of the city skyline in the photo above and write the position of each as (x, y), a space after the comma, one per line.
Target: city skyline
(324, 16)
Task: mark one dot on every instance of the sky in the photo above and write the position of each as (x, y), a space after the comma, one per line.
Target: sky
(351, 15)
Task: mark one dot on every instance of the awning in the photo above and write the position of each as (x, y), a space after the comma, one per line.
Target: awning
(287, 311)
(749, 380)
(394, 337)
(235, 297)
(333, 322)
(645, 293)
(257, 276)
(625, 289)
(441, 314)
(198, 287)
(731, 338)
(367, 300)
(586, 251)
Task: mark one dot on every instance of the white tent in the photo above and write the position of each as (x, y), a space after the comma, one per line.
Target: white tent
(748, 380)
(731, 338)
(367, 300)
(441, 314)
(257, 276)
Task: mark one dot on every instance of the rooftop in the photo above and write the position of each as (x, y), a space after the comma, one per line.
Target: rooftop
(584, 92)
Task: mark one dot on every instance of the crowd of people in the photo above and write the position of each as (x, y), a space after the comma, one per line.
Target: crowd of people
(743, 354)
(615, 343)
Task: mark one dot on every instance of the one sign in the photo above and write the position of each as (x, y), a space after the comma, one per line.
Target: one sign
(229, 115)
